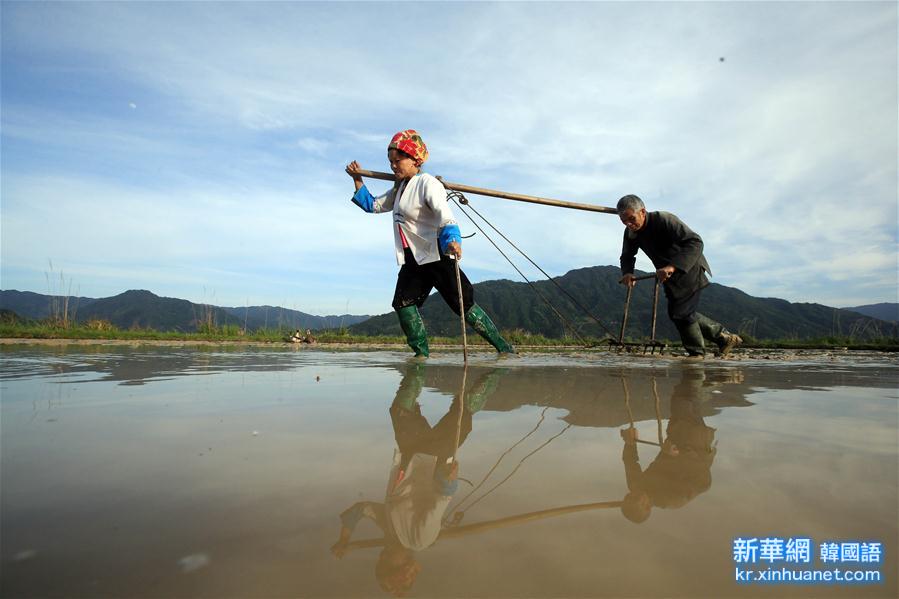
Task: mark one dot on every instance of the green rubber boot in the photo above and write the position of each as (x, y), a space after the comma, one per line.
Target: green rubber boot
(410, 387)
(481, 323)
(691, 337)
(711, 330)
(414, 328)
(477, 397)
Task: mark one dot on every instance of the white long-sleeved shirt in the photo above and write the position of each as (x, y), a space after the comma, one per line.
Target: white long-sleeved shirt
(421, 213)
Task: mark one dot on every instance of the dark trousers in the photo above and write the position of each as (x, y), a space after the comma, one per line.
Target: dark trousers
(692, 326)
(415, 282)
(682, 310)
(414, 434)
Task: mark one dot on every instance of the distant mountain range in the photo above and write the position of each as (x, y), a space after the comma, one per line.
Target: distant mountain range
(883, 311)
(512, 305)
(143, 309)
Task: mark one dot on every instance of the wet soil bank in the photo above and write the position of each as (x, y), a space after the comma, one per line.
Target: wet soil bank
(822, 354)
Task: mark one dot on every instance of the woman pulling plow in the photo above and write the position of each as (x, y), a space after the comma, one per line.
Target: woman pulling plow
(426, 240)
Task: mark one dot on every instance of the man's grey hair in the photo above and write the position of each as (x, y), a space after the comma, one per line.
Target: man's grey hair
(629, 202)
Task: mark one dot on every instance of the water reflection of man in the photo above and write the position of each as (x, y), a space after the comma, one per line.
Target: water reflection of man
(422, 480)
(683, 468)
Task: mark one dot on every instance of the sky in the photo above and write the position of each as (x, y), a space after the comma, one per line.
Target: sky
(196, 149)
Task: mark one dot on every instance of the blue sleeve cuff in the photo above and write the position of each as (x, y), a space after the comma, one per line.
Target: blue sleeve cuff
(364, 199)
(446, 487)
(448, 234)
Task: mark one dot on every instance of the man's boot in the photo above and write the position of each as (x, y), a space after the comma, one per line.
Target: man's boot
(691, 337)
(713, 331)
(481, 323)
(727, 342)
(414, 328)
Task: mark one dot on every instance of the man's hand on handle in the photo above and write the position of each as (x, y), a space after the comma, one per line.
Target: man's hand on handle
(628, 280)
(664, 273)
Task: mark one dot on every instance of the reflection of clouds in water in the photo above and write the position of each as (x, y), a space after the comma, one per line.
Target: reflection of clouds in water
(802, 447)
(25, 555)
(840, 412)
(145, 364)
(193, 562)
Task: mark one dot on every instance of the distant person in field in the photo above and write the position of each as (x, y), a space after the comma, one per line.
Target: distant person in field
(299, 337)
(425, 236)
(676, 252)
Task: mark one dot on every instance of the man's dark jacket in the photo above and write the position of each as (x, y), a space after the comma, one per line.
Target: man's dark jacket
(666, 240)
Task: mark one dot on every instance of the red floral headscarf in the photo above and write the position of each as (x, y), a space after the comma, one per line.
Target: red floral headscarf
(410, 142)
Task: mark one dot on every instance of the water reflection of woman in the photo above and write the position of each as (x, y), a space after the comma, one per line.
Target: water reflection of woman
(683, 468)
(421, 484)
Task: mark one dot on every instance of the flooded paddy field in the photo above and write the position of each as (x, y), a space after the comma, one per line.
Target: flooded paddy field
(250, 472)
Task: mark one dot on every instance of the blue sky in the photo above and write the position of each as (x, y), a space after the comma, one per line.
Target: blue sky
(197, 149)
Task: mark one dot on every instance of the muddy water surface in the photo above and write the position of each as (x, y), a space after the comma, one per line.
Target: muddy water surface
(167, 472)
